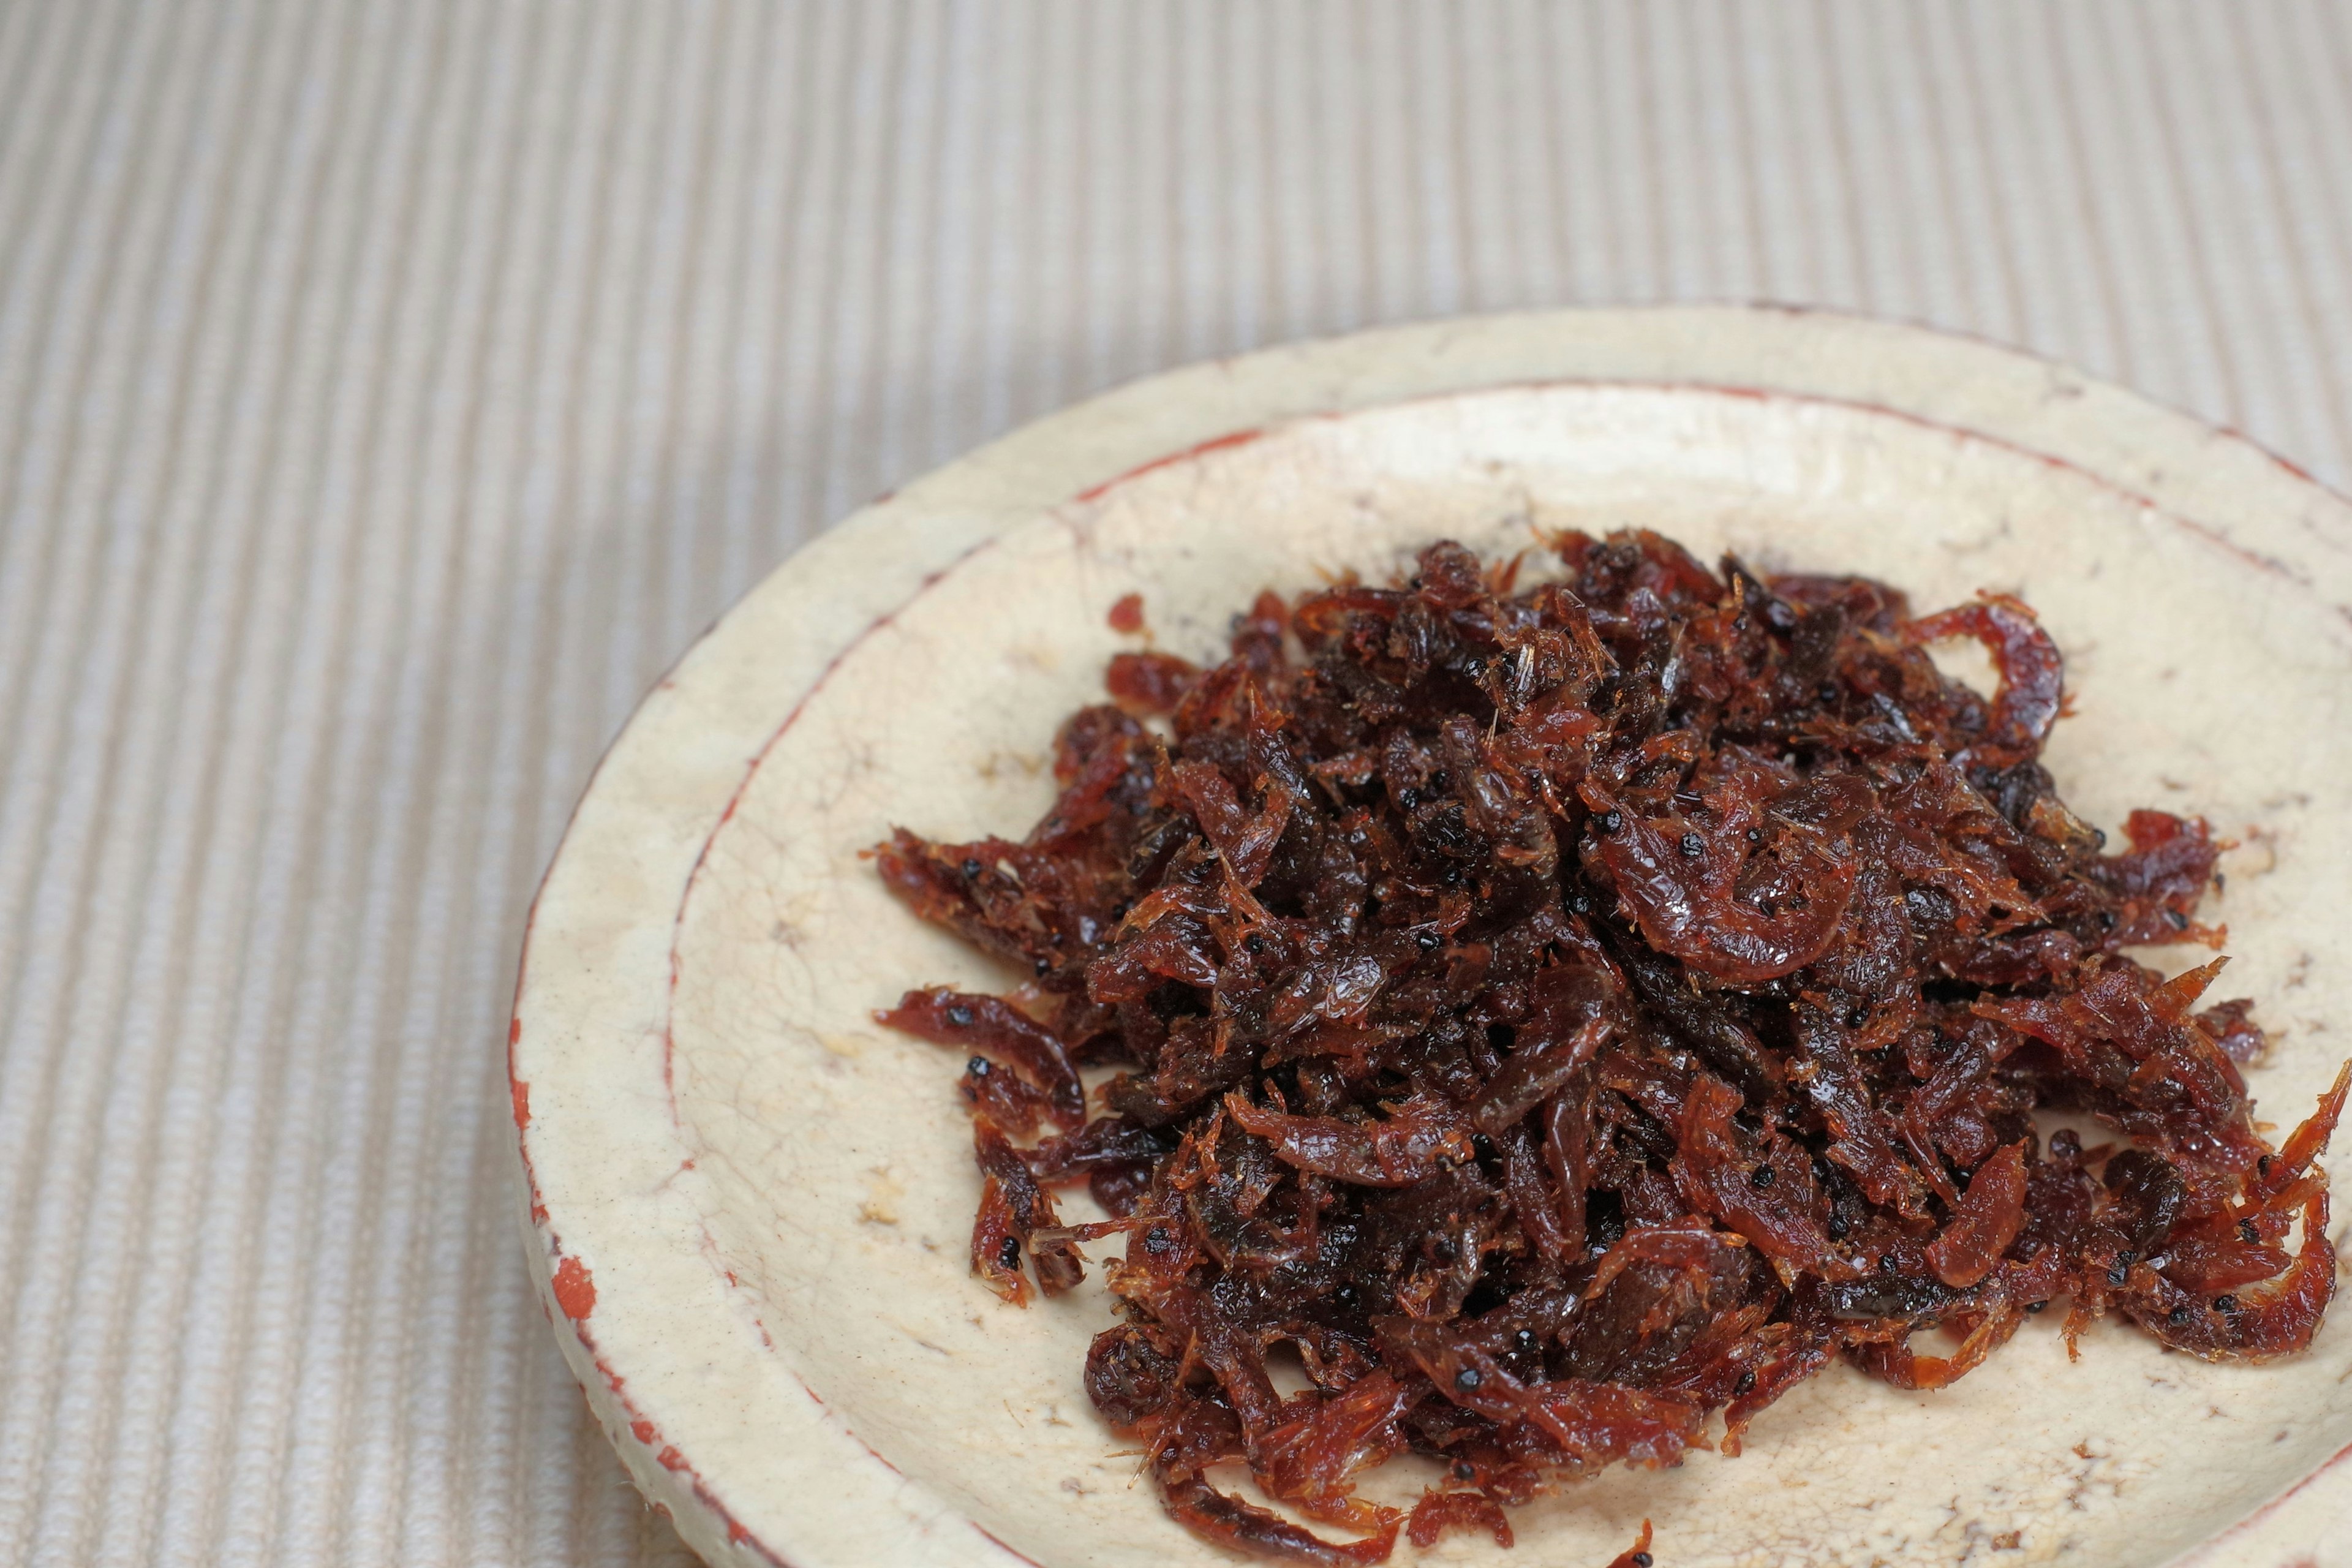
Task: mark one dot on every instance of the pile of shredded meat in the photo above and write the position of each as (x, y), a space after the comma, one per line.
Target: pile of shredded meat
(1550, 1017)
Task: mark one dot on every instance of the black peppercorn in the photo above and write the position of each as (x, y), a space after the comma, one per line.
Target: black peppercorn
(1746, 1384)
(1692, 846)
(959, 1016)
(1427, 941)
(971, 869)
(1009, 1255)
(1761, 1176)
(2225, 1303)
(1607, 822)
(1469, 1379)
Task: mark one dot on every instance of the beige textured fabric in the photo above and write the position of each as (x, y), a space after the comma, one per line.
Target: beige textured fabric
(388, 392)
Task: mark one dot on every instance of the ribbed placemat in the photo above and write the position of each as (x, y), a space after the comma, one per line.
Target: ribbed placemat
(388, 392)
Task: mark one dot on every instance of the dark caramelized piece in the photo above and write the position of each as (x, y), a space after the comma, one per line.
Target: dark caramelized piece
(1549, 1017)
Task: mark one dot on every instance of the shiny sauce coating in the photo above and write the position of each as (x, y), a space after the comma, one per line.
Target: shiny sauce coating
(1551, 1023)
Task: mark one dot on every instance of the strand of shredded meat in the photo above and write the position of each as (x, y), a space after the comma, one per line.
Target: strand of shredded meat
(1557, 1016)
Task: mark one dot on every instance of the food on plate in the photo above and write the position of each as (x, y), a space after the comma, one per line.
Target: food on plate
(1542, 1018)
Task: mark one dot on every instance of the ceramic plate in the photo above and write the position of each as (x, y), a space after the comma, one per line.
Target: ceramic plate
(749, 1206)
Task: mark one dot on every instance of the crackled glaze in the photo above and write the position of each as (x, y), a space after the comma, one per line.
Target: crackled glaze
(746, 1203)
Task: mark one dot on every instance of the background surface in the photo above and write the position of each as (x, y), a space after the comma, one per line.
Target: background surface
(388, 393)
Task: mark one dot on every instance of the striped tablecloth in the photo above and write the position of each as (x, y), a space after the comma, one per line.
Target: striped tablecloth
(388, 392)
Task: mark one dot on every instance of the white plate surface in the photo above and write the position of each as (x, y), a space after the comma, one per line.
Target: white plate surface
(749, 1206)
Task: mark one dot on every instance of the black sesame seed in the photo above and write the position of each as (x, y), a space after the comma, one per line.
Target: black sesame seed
(979, 1067)
(2247, 1231)
(1826, 693)
(1837, 1226)
(2176, 920)
(1857, 1018)
(2035, 1306)
(959, 1016)
(1640, 1559)
(1746, 1384)
(1469, 1379)
(1009, 1255)
(2225, 1303)
(1044, 966)
(1755, 835)
(1464, 1470)
(1525, 1340)
(1408, 799)
(971, 869)
(1607, 822)
(2177, 1316)
(1692, 846)
(2262, 1166)
(2118, 1274)
(2098, 839)
(1439, 779)
(1255, 942)
(1155, 1240)
(1427, 941)
(1761, 1176)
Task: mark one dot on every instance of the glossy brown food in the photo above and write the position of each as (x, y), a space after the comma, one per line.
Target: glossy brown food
(1545, 1020)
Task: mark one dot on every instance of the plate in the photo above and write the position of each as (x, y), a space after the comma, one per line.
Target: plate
(748, 1205)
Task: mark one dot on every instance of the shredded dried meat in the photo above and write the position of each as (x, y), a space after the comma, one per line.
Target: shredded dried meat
(1550, 1017)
